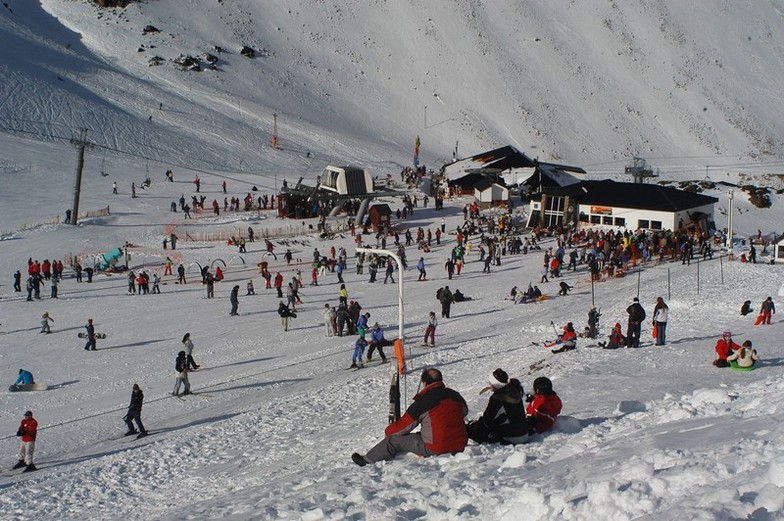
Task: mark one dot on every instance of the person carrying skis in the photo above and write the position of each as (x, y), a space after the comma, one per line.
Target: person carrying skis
(45, 318)
(181, 368)
(439, 410)
(135, 413)
(91, 343)
(543, 407)
(504, 419)
(636, 316)
(28, 429)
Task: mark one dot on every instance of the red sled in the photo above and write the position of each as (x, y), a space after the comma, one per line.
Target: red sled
(760, 320)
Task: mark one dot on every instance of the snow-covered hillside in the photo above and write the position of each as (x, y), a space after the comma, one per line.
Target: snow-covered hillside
(652, 433)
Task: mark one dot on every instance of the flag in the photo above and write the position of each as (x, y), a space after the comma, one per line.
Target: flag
(416, 152)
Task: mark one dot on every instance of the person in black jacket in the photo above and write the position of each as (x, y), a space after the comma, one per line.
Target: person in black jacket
(636, 317)
(135, 413)
(504, 418)
(446, 302)
(181, 367)
(235, 300)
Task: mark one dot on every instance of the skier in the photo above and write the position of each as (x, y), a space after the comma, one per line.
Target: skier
(181, 368)
(567, 340)
(28, 429)
(186, 341)
(504, 418)
(235, 300)
(359, 351)
(439, 410)
(636, 316)
(543, 407)
(421, 268)
(135, 413)
(91, 344)
(388, 274)
(725, 348)
(430, 330)
(25, 378)
(45, 318)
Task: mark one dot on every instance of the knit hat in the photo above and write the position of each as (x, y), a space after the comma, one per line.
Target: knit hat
(498, 379)
(617, 325)
(28, 413)
(727, 332)
(635, 299)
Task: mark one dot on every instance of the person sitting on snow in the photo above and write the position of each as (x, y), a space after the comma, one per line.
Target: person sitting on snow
(746, 357)
(745, 309)
(459, 297)
(725, 347)
(504, 419)
(543, 407)
(615, 339)
(568, 339)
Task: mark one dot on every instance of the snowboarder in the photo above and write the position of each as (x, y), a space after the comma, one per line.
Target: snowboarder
(235, 300)
(504, 418)
(135, 413)
(45, 318)
(439, 410)
(25, 378)
(186, 341)
(91, 344)
(181, 368)
(28, 429)
(543, 407)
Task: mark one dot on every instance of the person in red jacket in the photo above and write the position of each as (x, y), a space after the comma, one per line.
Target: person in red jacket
(568, 339)
(543, 407)
(724, 348)
(439, 410)
(27, 430)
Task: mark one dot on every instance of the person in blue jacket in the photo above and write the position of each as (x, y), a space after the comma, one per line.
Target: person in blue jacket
(421, 268)
(359, 350)
(25, 378)
(362, 324)
(377, 341)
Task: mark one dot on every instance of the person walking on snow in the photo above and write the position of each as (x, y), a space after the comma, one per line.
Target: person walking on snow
(328, 315)
(28, 429)
(186, 341)
(181, 368)
(660, 315)
(135, 413)
(235, 300)
(91, 343)
(45, 318)
(767, 308)
(421, 268)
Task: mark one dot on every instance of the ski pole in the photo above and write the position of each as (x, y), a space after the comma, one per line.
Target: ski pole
(554, 329)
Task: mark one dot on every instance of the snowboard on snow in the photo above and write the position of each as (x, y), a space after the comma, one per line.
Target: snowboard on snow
(28, 387)
(97, 335)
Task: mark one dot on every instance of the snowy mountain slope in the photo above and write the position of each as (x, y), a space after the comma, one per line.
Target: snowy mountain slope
(588, 83)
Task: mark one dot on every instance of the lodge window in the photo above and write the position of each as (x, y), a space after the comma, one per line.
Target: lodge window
(607, 219)
(620, 221)
(596, 219)
(643, 224)
(583, 218)
(656, 225)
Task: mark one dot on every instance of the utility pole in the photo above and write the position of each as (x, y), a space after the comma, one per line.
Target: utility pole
(730, 218)
(80, 144)
(275, 130)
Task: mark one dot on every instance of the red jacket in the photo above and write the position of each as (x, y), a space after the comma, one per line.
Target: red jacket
(28, 428)
(546, 408)
(441, 413)
(725, 349)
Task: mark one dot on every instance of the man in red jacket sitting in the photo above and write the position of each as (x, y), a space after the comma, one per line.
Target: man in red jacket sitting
(441, 413)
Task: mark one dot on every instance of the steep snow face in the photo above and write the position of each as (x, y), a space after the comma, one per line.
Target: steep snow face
(589, 83)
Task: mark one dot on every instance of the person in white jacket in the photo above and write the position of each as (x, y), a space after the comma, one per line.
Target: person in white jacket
(660, 313)
(745, 356)
(328, 314)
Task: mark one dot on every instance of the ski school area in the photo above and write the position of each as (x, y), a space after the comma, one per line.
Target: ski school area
(271, 407)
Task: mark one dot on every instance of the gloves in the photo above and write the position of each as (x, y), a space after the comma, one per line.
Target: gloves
(529, 398)
(20, 432)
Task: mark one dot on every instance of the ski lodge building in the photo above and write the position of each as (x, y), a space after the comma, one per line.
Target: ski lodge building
(621, 205)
